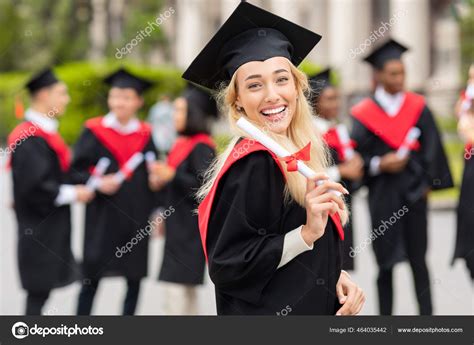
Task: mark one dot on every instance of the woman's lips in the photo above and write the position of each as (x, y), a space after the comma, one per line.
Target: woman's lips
(277, 116)
(273, 110)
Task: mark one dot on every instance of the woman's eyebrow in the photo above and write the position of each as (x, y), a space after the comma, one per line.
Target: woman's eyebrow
(254, 76)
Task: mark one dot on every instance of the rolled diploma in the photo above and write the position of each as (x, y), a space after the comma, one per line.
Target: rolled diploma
(276, 148)
(129, 167)
(150, 158)
(345, 141)
(97, 173)
(411, 136)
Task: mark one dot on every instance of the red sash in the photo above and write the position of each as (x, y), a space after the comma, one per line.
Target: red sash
(28, 129)
(392, 130)
(183, 146)
(121, 146)
(238, 152)
(332, 140)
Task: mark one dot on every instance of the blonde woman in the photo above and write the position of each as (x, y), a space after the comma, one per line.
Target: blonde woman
(272, 238)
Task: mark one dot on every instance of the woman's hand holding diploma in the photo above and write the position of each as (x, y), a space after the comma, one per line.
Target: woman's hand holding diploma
(319, 203)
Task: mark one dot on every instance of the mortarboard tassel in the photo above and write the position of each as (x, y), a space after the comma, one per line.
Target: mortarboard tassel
(19, 108)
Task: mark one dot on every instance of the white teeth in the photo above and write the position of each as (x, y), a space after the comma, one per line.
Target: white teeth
(273, 111)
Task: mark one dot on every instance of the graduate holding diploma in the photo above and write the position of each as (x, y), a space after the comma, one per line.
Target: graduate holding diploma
(272, 237)
(396, 135)
(42, 193)
(115, 243)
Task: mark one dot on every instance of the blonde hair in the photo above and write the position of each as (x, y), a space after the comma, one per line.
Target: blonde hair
(301, 130)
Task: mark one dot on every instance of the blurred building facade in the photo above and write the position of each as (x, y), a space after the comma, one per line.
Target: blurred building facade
(349, 28)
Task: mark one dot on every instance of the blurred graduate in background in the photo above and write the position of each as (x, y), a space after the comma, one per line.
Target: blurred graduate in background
(404, 160)
(116, 225)
(347, 164)
(183, 265)
(40, 164)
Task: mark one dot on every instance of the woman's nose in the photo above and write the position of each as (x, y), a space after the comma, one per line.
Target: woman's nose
(271, 95)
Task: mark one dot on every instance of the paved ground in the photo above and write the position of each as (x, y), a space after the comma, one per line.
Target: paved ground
(452, 290)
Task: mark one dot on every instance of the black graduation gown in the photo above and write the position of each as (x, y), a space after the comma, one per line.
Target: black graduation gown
(245, 239)
(44, 230)
(347, 259)
(114, 221)
(183, 260)
(390, 193)
(465, 218)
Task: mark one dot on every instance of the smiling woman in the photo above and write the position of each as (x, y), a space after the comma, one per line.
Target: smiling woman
(271, 237)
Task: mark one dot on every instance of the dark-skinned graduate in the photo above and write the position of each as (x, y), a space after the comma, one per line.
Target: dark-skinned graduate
(346, 164)
(116, 225)
(272, 238)
(404, 160)
(183, 265)
(42, 193)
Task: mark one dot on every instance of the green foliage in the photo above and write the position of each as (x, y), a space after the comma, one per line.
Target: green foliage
(447, 124)
(221, 140)
(140, 18)
(467, 39)
(39, 33)
(310, 69)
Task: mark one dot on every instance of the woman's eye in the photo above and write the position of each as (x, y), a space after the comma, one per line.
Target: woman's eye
(253, 86)
(282, 79)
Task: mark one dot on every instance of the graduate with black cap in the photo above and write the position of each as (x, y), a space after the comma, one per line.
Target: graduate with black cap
(116, 242)
(325, 100)
(398, 184)
(40, 162)
(182, 268)
(272, 239)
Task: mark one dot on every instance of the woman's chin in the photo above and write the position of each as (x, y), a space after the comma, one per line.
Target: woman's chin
(278, 128)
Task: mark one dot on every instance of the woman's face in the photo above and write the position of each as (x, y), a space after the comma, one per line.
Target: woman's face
(180, 114)
(267, 93)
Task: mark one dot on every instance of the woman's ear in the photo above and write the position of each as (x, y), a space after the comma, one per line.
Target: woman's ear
(238, 105)
(378, 76)
(142, 101)
(237, 102)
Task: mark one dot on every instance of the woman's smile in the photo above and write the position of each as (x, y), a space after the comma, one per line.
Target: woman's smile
(275, 113)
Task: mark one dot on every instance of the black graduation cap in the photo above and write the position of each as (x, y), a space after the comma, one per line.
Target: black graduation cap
(42, 79)
(124, 79)
(320, 80)
(201, 99)
(389, 50)
(249, 34)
